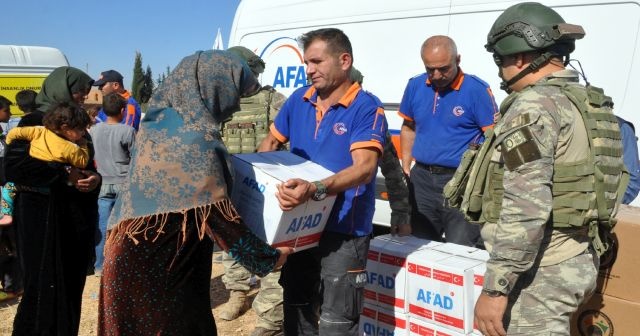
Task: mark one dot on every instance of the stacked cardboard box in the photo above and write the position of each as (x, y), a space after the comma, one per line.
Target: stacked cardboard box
(420, 287)
(253, 194)
(387, 269)
(616, 306)
(379, 321)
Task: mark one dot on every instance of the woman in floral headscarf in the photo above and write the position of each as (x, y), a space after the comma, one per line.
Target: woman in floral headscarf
(157, 267)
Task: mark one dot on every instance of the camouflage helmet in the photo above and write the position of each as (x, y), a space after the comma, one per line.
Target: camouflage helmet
(355, 75)
(531, 26)
(255, 63)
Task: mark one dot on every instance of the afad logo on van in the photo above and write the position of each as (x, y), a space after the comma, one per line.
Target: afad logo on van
(285, 69)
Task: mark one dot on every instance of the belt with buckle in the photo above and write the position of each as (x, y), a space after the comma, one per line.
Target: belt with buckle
(436, 169)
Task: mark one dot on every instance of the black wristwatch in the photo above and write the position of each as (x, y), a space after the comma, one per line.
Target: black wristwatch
(321, 191)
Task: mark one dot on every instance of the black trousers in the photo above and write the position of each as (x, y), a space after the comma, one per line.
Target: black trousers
(324, 286)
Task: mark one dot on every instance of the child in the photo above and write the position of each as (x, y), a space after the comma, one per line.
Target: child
(113, 142)
(60, 140)
(92, 111)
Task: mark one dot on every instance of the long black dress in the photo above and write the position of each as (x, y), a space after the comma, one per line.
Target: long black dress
(55, 235)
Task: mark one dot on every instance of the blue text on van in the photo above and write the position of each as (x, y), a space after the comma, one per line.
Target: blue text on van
(290, 76)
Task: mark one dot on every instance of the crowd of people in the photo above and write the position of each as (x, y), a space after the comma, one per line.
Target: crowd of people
(141, 202)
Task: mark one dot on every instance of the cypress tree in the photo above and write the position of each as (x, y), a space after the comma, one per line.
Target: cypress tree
(138, 78)
(147, 87)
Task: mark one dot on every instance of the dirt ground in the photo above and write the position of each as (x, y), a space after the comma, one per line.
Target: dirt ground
(239, 327)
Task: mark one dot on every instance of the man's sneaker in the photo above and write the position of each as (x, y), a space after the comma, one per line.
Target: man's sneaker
(236, 305)
(259, 331)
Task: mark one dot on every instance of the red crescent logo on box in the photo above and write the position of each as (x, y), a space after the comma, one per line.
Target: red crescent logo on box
(339, 128)
(457, 280)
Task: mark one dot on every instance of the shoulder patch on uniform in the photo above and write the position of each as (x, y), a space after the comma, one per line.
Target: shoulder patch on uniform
(520, 120)
(519, 148)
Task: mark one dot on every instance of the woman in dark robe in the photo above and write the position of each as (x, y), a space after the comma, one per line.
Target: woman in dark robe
(157, 268)
(55, 221)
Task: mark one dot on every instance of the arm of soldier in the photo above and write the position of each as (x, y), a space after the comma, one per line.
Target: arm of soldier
(407, 137)
(396, 189)
(297, 191)
(528, 153)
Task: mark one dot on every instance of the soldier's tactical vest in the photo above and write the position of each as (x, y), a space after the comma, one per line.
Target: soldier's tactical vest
(585, 193)
(247, 127)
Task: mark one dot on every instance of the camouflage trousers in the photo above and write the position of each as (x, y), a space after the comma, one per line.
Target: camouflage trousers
(268, 303)
(544, 298)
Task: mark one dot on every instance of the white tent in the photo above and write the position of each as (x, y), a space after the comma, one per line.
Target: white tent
(218, 44)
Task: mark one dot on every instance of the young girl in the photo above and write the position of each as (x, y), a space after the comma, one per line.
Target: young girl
(60, 140)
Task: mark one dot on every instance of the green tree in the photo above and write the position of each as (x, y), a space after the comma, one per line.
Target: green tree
(138, 78)
(147, 88)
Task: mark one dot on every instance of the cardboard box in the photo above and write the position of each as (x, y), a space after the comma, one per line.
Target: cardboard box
(620, 267)
(368, 322)
(441, 291)
(606, 315)
(377, 321)
(386, 270)
(478, 277)
(455, 249)
(419, 327)
(253, 194)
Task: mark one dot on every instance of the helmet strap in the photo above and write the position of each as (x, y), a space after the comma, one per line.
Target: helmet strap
(533, 66)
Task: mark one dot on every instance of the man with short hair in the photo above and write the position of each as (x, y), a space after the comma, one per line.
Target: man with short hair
(111, 81)
(336, 124)
(26, 101)
(444, 111)
(551, 174)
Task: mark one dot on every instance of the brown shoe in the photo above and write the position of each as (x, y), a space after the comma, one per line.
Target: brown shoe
(236, 305)
(259, 331)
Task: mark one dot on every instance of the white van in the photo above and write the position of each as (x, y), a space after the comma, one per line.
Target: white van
(26, 67)
(386, 37)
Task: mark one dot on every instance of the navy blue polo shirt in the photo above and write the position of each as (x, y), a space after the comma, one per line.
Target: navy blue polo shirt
(447, 120)
(328, 137)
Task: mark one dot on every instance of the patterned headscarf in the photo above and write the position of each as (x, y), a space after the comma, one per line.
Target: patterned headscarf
(179, 162)
(59, 86)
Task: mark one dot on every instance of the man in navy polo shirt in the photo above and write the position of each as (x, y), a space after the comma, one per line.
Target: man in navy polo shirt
(336, 124)
(444, 111)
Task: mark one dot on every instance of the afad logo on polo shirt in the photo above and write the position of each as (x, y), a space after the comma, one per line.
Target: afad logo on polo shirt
(458, 111)
(339, 128)
(285, 69)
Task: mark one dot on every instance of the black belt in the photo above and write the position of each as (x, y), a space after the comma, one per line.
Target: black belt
(436, 169)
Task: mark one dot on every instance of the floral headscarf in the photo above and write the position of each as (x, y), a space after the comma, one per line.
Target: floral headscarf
(179, 162)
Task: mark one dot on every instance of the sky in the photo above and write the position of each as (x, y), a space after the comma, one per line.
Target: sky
(102, 35)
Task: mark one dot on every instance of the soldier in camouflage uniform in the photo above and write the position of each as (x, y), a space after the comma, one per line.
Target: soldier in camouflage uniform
(247, 128)
(536, 227)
